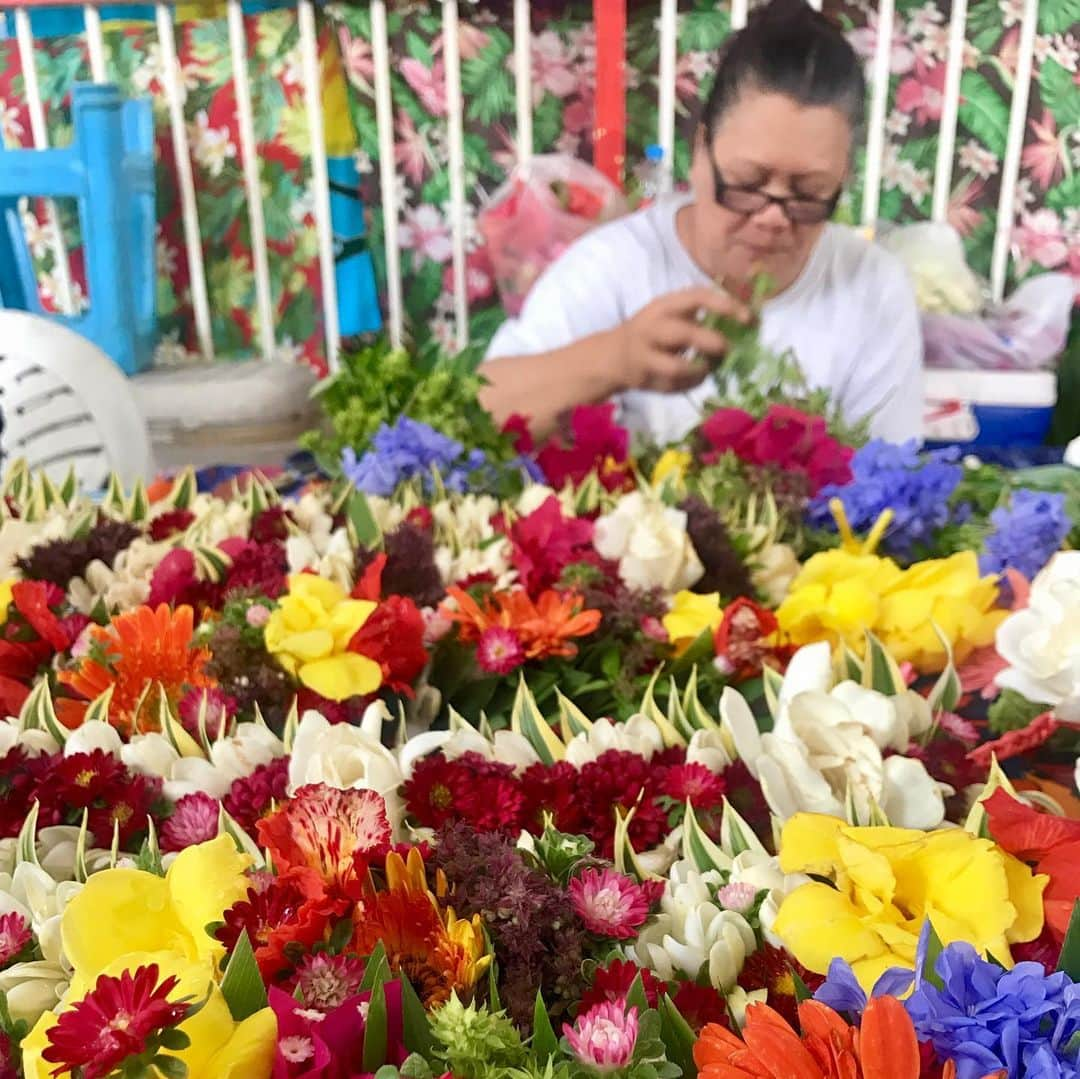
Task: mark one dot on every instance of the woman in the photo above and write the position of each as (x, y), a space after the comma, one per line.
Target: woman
(618, 315)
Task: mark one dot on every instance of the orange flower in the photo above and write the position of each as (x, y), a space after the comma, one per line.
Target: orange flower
(545, 627)
(138, 655)
(438, 952)
(884, 1048)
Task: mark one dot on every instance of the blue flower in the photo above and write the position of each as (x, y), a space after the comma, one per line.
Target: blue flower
(1026, 533)
(407, 449)
(916, 487)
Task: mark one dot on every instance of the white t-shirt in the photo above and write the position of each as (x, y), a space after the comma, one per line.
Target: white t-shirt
(850, 318)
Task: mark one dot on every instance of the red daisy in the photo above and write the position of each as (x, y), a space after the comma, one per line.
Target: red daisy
(85, 778)
(117, 1019)
(613, 982)
(695, 783)
(499, 651)
(773, 970)
(125, 810)
(169, 524)
(700, 1005)
(553, 790)
(485, 794)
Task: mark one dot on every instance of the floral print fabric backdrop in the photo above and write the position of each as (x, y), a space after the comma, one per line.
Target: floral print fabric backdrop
(1047, 232)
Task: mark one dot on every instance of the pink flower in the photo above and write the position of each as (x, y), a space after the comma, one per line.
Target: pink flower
(194, 820)
(738, 897)
(479, 276)
(865, 41)
(411, 150)
(425, 231)
(220, 708)
(610, 904)
(605, 1036)
(578, 116)
(1045, 157)
(358, 57)
(327, 981)
(257, 615)
(471, 40)
(14, 936)
(499, 651)
(964, 214)
(923, 93)
(551, 70)
(428, 83)
(1039, 239)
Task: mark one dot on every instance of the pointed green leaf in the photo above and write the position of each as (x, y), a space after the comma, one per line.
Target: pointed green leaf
(678, 1037)
(26, 844)
(881, 671)
(364, 529)
(1069, 961)
(736, 835)
(242, 986)
(98, 709)
(651, 710)
(375, 1032)
(38, 714)
(572, 720)
(772, 682)
(802, 990)
(138, 507)
(227, 825)
(70, 487)
(934, 948)
(527, 720)
(545, 1043)
(417, 1026)
(853, 666)
(377, 969)
(947, 689)
(184, 489)
(81, 870)
(114, 495)
(698, 848)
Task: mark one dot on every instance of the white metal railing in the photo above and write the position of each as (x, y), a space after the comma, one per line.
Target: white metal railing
(668, 19)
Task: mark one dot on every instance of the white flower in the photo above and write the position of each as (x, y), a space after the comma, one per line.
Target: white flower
(33, 988)
(94, 735)
(637, 735)
(709, 748)
(333, 558)
(977, 159)
(763, 872)
(650, 542)
(210, 146)
(507, 748)
(347, 757)
(693, 933)
(1042, 643)
(34, 742)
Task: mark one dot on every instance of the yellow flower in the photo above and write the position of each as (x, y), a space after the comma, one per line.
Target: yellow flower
(837, 598)
(690, 615)
(5, 597)
(887, 882)
(309, 635)
(947, 593)
(673, 464)
(126, 918)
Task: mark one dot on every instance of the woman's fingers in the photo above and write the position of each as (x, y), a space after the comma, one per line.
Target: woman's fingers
(687, 303)
(678, 335)
(670, 373)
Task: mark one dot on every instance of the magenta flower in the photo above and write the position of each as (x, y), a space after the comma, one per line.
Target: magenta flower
(605, 1036)
(499, 651)
(610, 904)
(15, 935)
(194, 820)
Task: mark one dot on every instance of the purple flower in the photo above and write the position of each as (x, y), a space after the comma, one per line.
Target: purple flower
(1026, 533)
(916, 487)
(409, 449)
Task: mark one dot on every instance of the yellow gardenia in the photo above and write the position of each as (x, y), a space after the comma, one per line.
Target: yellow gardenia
(309, 635)
(691, 615)
(947, 593)
(127, 918)
(887, 882)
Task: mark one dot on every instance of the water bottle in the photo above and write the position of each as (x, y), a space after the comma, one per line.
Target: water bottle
(650, 175)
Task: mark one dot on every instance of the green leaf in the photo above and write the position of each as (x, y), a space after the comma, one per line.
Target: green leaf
(174, 1039)
(375, 1033)
(934, 948)
(418, 49)
(545, 1042)
(1059, 16)
(1066, 195)
(698, 848)
(377, 970)
(678, 1037)
(636, 997)
(1059, 93)
(802, 990)
(547, 123)
(527, 720)
(362, 521)
(1069, 962)
(703, 31)
(984, 112)
(416, 1026)
(242, 986)
(170, 1067)
(881, 672)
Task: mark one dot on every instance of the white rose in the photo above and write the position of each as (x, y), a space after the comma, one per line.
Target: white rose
(650, 543)
(346, 757)
(1042, 643)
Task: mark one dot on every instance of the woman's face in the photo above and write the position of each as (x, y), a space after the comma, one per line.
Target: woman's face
(772, 143)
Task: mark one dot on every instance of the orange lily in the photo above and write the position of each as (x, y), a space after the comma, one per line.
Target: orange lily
(884, 1048)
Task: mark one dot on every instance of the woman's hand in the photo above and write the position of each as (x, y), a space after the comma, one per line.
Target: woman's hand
(656, 348)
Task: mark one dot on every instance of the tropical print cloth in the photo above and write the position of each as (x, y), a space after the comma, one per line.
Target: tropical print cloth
(1047, 210)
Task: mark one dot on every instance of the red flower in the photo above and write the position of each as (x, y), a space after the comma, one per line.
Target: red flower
(486, 794)
(250, 797)
(220, 708)
(517, 429)
(726, 429)
(34, 600)
(18, 777)
(260, 569)
(125, 812)
(746, 638)
(270, 525)
(700, 1005)
(1016, 743)
(82, 779)
(552, 790)
(15, 935)
(595, 442)
(328, 836)
(369, 586)
(695, 783)
(1051, 843)
(772, 969)
(280, 915)
(612, 983)
(169, 524)
(499, 651)
(117, 1019)
(545, 543)
(616, 782)
(393, 636)
(173, 579)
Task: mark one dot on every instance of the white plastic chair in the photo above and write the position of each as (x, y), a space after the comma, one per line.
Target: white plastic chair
(65, 403)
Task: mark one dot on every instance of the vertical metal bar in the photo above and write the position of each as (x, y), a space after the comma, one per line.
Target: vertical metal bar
(943, 171)
(95, 43)
(669, 35)
(879, 106)
(456, 166)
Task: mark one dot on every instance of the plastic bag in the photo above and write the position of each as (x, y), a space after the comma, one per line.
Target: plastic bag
(537, 214)
(934, 256)
(1025, 333)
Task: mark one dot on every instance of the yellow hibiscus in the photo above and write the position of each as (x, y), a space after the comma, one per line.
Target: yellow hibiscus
(887, 881)
(947, 593)
(691, 615)
(123, 919)
(309, 634)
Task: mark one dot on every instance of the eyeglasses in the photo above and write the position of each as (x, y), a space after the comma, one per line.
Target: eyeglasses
(798, 209)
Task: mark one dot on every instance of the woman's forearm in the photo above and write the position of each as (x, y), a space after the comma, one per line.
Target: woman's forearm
(543, 386)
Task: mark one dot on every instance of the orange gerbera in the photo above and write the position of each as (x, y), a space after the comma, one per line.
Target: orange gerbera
(138, 655)
(438, 952)
(545, 627)
(885, 1047)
